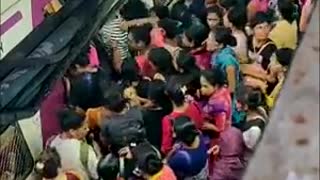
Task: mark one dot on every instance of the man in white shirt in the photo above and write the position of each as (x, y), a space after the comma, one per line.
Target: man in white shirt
(75, 153)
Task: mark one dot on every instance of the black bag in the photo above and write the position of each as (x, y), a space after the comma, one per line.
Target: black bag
(86, 86)
(124, 130)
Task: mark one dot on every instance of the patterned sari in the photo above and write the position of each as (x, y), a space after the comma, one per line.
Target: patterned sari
(218, 109)
(230, 162)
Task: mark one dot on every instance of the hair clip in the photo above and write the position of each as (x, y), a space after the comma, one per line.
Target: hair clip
(40, 165)
(184, 89)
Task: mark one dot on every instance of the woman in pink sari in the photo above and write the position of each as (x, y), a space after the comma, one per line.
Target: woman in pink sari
(216, 110)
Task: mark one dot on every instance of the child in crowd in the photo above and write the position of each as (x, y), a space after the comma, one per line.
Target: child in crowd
(48, 166)
(149, 164)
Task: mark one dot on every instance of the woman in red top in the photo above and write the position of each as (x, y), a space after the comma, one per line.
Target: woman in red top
(194, 38)
(180, 108)
(139, 40)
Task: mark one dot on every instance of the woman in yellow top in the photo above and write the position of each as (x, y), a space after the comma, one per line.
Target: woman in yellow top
(271, 81)
(285, 32)
(279, 69)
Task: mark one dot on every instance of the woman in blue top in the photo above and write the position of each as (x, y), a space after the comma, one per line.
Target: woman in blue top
(220, 42)
(189, 158)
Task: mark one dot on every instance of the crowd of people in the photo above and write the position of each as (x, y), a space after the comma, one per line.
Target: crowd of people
(174, 90)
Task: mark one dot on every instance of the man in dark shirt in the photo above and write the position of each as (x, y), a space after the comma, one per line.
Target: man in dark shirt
(125, 125)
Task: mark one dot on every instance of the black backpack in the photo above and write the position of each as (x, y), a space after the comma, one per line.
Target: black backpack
(123, 132)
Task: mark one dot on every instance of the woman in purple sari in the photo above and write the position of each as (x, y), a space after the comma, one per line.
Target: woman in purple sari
(229, 164)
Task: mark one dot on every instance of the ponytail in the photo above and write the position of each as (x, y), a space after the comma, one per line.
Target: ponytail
(185, 130)
(153, 165)
(148, 159)
(48, 163)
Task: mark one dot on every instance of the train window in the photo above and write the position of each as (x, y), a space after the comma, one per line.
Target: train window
(16, 158)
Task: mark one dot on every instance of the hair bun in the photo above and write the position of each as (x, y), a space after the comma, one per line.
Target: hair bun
(254, 98)
(184, 89)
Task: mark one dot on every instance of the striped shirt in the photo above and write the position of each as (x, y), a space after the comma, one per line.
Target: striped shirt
(111, 31)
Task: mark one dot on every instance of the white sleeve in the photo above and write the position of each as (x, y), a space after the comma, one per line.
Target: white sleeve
(252, 136)
(92, 163)
(149, 3)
